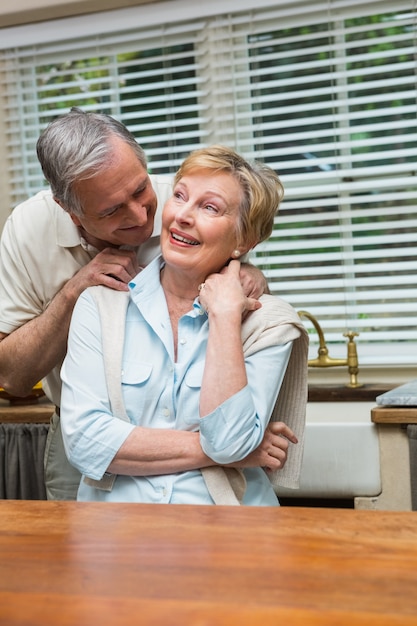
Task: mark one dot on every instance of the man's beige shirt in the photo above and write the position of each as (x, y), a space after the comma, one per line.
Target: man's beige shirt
(40, 250)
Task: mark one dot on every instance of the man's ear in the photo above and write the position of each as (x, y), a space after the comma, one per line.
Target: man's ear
(75, 219)
(55, 199)
(72, 216)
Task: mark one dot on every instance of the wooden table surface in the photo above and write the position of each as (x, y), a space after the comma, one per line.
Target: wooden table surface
(98, 564)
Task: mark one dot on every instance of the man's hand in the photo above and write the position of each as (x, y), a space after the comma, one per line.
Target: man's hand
(111, 267)
(253, 281)
(273, 450)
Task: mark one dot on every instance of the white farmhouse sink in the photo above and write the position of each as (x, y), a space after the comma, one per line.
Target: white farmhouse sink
(341, 455)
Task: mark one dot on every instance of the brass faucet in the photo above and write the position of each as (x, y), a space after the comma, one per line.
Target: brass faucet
(324, 360)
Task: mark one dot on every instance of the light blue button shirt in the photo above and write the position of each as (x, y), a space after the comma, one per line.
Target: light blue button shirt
(160, 392)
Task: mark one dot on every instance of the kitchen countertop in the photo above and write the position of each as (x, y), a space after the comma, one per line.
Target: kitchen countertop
(404, 395)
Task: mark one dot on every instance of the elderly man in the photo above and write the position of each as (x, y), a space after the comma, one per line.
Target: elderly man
(97, 225)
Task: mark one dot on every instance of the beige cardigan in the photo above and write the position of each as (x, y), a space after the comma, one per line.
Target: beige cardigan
(275, 322)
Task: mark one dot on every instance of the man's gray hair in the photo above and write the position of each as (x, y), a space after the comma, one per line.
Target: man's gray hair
(76, 146)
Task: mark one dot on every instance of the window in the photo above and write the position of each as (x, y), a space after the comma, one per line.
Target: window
(326, 96)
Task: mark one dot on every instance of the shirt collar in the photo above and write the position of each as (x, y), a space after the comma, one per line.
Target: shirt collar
(66, 233)
(148, 281)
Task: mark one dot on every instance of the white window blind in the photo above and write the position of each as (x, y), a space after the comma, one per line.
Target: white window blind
(325, 93)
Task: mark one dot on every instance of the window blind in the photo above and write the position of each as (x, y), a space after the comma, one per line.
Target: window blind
(325, 93)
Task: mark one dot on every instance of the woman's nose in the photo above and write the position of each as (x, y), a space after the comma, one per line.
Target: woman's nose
(185, 212)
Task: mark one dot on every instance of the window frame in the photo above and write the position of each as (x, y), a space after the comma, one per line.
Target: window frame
(182, 11)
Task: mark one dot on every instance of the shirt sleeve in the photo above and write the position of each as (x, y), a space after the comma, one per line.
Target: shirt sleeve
(92, 435)
(237, 426)
(19, 302)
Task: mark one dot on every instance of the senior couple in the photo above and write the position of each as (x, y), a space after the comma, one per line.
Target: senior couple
(171, 372)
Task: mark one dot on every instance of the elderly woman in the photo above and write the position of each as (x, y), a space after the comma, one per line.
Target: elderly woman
(171, 400)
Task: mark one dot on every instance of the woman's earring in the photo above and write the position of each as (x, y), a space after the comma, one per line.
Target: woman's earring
(236, 254)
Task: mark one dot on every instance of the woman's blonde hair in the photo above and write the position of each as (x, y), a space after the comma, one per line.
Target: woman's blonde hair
(262, 190)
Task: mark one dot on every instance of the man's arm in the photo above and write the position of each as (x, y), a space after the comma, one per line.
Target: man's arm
(33, 350)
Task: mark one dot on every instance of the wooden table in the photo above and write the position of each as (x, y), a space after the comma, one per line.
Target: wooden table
(98, 564)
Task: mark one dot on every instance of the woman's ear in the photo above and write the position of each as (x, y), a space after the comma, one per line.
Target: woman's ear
(242, 250)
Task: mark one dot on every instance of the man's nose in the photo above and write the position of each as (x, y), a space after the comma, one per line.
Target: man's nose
(140, 212)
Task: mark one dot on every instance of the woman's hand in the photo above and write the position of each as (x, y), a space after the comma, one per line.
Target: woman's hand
(223, 293)
(272, 453)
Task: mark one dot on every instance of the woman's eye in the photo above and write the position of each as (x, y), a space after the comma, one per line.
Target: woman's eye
(211, 208)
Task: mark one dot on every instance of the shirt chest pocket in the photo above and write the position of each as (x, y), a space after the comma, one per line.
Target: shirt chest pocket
(188, 410)
(136, 381)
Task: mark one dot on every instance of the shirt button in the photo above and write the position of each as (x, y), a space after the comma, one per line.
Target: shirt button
(166, 412)
(183, 341)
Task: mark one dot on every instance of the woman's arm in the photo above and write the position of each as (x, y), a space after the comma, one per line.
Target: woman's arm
(153, 451)
(149, 451)
(224, 373)
(237, 396)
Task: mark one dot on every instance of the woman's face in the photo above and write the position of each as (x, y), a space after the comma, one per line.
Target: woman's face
(199, 222)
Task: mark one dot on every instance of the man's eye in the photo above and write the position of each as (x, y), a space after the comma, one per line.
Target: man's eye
(111, 212)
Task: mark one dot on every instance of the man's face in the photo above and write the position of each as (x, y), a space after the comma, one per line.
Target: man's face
(119, 203)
